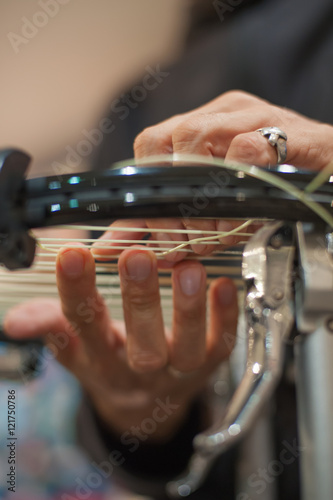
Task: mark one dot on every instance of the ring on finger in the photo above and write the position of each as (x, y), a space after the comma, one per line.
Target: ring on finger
(278, 139)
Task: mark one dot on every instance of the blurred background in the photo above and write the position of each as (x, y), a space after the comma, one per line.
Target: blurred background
(62, 62)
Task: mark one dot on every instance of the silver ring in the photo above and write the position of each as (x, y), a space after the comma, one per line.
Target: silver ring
(278, 139)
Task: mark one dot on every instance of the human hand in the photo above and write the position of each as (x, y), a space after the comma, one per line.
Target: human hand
(124, 368)
(225, 127)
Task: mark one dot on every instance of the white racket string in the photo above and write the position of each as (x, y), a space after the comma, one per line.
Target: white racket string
(40, 279)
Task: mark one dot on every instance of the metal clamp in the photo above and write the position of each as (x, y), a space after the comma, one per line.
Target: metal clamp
(268, 261)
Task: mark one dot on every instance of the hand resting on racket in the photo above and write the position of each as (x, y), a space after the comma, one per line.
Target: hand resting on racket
(225, 127)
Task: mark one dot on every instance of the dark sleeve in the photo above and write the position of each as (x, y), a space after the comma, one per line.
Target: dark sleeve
(147, 468)
(280, 51)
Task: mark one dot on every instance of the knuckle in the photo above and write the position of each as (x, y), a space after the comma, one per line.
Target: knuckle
(246, 143)
(144, 303)
(146, 361)
(249, 146)
(150, 136)
(189, 130)
(141, 140)
(235, 95)
(68, 312)
(274, 114)
(311, 153)
(239, 98)
(325, 144)
(184, 315)
(190, 316)
(189, 363)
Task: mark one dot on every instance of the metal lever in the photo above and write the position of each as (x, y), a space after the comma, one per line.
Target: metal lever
(268, 261)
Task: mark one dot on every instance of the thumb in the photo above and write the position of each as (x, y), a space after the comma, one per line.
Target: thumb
(43, 318)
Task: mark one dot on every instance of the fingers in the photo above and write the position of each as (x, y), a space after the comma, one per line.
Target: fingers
(309, 144)
(119, 235)
(251, 148)
(223, 319)
(147, 348)
(32, 319)
(164, 137)
(225, 127)
(188, 347)
(200, 132)
(167, 238)
(231, 101)
(191, 348)
(311, 148)
(201, 248)
(157, 139)
(217, 225)
(81, 303)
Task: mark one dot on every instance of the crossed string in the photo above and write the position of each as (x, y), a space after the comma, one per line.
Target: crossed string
(42, 273)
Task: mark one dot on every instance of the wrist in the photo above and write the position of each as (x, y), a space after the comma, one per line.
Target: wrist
(158, 459)
(157, 420)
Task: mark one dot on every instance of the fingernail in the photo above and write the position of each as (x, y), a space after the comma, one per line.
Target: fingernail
(101, 243)
(226, 294)
(100, 248)
(225, 226)
(190, 281)
(138, 266)
(110, 235)
(72, 263)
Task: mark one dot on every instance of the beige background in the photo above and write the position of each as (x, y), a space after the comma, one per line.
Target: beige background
(59, 82)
